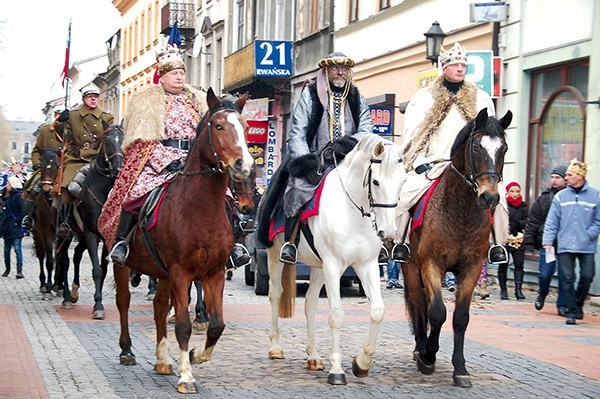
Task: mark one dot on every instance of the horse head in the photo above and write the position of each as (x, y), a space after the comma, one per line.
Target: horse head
(383, 175)
(225, 132)
(478, 155)
(49, 166)
(243, 192)
(110, 153)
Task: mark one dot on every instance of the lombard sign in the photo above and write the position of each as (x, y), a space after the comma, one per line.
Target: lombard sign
(480, 69)
(272, 59)
(383, 120)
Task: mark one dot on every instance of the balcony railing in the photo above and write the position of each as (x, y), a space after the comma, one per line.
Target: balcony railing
(180, 11)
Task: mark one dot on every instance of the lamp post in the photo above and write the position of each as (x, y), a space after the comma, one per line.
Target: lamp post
(434, 38)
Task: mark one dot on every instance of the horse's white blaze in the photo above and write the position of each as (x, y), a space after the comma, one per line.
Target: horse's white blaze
(248, 160)
(492, 145)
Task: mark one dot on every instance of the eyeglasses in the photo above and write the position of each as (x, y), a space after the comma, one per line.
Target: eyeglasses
(339, 68)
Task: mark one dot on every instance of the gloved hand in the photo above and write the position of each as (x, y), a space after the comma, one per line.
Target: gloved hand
(64, 116)
(342, 146)
(36, 166)
(306, 167)
(173, 166)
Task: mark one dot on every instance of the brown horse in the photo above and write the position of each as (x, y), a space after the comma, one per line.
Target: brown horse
(454, 237)
(193, 239)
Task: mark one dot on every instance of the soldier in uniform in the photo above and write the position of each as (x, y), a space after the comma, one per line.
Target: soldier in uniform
(84, 129)
(48, 137)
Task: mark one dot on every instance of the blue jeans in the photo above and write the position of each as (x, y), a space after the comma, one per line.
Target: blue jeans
(8, 244)
(545, 277)
(393, 271)
(587, 266)
(449, 279)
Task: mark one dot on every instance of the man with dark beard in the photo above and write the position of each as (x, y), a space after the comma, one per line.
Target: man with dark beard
(330, 112)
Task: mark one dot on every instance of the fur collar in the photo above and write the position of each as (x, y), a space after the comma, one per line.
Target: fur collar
(443, 100)
(145, 115)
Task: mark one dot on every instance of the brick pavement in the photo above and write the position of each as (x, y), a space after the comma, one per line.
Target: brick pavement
(511, 350)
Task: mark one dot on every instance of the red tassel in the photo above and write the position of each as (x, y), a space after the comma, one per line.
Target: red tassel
(156, 78)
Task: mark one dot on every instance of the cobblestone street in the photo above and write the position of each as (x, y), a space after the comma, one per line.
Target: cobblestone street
(511, 349)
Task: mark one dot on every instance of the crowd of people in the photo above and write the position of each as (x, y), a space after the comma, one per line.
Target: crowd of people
(562, 224)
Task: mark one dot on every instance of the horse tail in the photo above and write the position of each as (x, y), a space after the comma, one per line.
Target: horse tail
(271, 203)
(287, 302)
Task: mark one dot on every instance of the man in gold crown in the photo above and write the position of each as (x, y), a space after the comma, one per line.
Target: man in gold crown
(84, 129)
(331, 111)
(573, 222)
(434, 116)
(160, 124)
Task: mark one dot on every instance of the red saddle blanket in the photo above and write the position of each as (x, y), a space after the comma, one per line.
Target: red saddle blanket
(418, 211)
(277, 224)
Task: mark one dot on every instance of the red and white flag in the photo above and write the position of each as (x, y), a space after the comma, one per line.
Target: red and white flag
(65, 73)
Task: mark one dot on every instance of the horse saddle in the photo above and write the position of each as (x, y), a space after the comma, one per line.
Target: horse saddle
(417, 212)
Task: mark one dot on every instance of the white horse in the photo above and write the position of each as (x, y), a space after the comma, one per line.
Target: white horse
(356, 212)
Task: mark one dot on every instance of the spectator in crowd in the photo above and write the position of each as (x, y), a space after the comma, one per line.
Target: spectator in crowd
(10, 223)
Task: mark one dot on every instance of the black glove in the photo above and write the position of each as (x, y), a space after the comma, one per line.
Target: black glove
(36, 166)
(64, 116)
(173, 166)
(342, 146)
(306, 167)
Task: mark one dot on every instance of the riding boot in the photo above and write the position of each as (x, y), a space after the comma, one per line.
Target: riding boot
(401, 252)
(239, 256)
(383, 257)
(19, 272)
(502, 282)
(7, 269)
(120, 250)
(27, 221)
(497, 254)
(519, 283)
(288, 252)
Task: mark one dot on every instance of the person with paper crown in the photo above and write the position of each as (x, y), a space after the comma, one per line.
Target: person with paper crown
(330, 111)
(434, 117)
(534, 231)
(10, 224)
(573, 223)
(82, 129)
(47, 137)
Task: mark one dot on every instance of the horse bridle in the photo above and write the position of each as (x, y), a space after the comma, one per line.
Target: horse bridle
(109, 171)
(472, 179)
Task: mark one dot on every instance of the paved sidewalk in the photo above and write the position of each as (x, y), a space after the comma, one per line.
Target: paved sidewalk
(511, 349)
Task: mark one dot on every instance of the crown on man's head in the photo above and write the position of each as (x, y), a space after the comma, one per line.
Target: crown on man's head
(456, 55)
(168, 59)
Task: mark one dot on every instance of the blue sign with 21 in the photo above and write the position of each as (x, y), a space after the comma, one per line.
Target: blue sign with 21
(273, 59)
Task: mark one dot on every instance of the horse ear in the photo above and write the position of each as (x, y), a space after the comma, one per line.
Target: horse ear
(506, 119)
(240, 102)
(481, 119)
(379, 149)
(212, 100)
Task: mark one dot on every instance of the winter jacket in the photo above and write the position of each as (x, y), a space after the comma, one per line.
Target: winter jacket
(574, 220)
(517, 219)
(12, 215)
(534, 230)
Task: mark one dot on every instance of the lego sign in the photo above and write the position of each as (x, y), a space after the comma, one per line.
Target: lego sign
(257, 131)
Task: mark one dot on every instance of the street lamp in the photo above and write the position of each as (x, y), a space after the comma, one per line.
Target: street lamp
(434, 38)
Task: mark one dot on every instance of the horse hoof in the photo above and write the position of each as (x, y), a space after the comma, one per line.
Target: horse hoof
(43, 289)
(276, 354)
(336, 379)
(357, 371)
(415, 355)
(463, 381)
(47, 296)
(164, 369)
(67, 305)
(423, 367)
(60, 293)
(315, 365)
(98, 314)
(127, 360)
(198, 327)
(187, 387)
(74, 293)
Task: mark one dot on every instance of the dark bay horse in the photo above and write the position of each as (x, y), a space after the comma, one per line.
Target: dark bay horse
(454, 237)
(94, 191)
(192, 238)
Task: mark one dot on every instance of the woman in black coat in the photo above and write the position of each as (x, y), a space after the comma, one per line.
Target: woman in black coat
(517, 219)
(10, 223)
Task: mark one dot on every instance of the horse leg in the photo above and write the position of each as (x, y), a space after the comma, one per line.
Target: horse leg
(317, 279)
(201, 321)
(91, 242)
(460, 320)
(152, 282)
(432, 279)
(164, 362)
(369, 277)
(332, 271)
(49, 269)
(275, 292)
(63, 260)
(121, 276)
(183, 331)
(213, 295)
(416, 302)
(77, 256)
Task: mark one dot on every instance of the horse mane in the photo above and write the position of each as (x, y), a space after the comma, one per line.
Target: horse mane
(492, 129)
(228, 101)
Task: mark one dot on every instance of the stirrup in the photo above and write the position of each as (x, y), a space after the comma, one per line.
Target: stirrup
(27, 222)
(112, 253)
(384, 256)
(401, 252)
(65, 231)
(245, 254)
(497, 254)
(288, 259)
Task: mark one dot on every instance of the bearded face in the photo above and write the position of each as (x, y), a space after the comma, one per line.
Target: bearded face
(338, 75)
